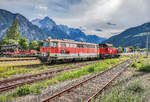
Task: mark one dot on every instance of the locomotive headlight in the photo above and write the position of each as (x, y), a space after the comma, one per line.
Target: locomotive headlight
(44, 54)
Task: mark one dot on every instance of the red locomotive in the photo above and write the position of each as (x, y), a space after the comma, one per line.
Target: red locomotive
(53, 50)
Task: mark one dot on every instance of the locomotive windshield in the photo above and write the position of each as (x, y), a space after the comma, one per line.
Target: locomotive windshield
(102, 46)
(45, 44)
(53, 44)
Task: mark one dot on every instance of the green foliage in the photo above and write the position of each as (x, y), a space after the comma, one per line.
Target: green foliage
(7, 71)
(145, 68)
(12, 34)
(36, 89)
(132, 48)
(24, 90)
(135, 65)
(131, 93)
(13, 31)
(33, 45)
(28, 89)
(4, 40)
(6, 97)
(9, 41)
(39, 45)
(91, 69)
(141, 64)
(137, 48)
(24, 43)
(135, 87)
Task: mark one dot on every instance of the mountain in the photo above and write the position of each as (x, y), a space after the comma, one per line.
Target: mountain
(50, 27)
(63, 31)
(40, 29)
(73, 33)
(94, 39)
(28, 30)
(135, 36)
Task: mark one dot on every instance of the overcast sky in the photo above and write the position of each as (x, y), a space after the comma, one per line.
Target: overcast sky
(101, 17)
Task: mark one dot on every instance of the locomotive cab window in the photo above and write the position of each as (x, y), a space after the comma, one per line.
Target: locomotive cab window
(67, 45)
(45, 44)
(102, 46)
(80, 45)
(53, 44)
(63, 45)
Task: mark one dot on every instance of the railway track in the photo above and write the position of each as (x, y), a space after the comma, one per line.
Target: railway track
(94, 84)
(8, 84)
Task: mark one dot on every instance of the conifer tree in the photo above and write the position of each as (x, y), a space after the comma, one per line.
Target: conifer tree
(12, 34)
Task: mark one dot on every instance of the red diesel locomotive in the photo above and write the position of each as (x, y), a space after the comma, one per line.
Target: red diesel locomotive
(53, 50)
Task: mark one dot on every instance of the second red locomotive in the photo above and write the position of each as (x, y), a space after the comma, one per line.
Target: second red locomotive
(53, 50)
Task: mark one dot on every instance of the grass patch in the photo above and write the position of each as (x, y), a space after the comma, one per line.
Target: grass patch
(141, 65)
(145, 68)
(130, 93)
(19, 63)
(8, 71)
(24, 90)
(135, 87)
(135, 65)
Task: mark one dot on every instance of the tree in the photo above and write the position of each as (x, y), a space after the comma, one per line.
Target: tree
(39, 44)
(137, 48)
(23, 42)
(1, 42)
(13, 31)
(33, 45)
(4, 40)
(12, 34)
(132, 48)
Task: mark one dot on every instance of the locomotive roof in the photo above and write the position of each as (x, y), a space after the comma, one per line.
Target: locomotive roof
(68, 41)
(106, 44)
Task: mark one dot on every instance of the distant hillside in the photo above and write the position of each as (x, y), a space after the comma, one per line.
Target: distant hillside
(135, 36)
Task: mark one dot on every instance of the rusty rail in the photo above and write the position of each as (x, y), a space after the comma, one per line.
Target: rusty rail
(79, 84)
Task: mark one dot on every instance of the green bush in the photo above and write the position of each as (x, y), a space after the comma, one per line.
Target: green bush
(140, 61)
(36, 89)
(145, 68)
(135, 65)
(24, 90)
(91, 69)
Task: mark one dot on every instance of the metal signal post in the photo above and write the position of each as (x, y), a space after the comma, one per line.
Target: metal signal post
(147, 44)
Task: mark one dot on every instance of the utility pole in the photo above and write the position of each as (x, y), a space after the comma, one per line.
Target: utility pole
(147, 44)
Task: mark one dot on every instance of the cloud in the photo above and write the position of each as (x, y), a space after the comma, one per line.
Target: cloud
(41, 7)
(111, 24)
(99, 30)
(87, 14)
